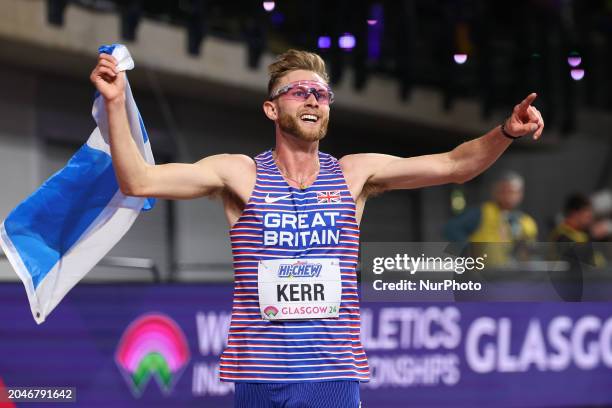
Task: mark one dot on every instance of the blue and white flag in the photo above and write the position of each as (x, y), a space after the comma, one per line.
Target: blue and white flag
(59, 233)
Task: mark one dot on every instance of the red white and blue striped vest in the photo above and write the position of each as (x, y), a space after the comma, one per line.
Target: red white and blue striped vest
(259, 350)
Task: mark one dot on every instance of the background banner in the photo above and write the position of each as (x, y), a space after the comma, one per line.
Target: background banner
(135, 345)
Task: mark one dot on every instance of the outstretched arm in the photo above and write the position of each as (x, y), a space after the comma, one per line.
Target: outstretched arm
(466, 161)
(138, 178)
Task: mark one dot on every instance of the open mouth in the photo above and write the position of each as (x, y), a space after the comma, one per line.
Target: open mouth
(309, 118)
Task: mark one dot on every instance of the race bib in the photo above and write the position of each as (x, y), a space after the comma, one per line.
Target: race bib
(297, 288)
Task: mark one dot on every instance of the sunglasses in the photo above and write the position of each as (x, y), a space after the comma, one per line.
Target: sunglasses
(301, 91)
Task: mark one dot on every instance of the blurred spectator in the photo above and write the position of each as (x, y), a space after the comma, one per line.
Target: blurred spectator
(572, 243)
(578, 227)
(602, 230)
(602, 209)
(496, 221)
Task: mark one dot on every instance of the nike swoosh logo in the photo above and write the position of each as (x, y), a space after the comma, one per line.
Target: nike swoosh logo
(271, 200)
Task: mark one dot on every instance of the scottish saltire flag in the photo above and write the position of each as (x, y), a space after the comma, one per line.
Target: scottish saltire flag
(59, 233)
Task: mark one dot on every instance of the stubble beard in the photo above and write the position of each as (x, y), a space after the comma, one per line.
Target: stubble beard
(291, 124)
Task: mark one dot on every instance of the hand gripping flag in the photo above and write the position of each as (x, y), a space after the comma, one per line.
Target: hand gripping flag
(59, 233)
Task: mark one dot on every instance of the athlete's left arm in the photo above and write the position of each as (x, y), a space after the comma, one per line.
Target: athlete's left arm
(466, 161)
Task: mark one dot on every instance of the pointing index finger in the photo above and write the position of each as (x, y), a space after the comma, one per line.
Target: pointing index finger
(527, 102)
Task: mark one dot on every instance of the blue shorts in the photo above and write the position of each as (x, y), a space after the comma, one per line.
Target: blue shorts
(319, 394)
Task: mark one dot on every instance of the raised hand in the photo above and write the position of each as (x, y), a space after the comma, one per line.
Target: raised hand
(107, 78)
(525, 119)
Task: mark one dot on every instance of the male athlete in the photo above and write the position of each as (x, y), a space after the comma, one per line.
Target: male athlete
(294, 215)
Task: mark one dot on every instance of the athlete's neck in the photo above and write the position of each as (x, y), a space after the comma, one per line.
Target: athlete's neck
(298, 158)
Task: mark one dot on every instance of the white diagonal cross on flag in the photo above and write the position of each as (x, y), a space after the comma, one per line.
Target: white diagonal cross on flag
(327, 197)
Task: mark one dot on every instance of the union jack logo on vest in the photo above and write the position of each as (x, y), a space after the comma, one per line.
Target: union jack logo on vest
(326, 197)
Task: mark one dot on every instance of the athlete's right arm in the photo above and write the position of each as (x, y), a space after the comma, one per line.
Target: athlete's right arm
(135, 176)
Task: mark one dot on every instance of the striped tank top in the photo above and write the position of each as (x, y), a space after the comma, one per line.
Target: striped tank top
(326, 349)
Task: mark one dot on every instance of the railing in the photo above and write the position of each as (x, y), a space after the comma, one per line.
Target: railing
(140, 264)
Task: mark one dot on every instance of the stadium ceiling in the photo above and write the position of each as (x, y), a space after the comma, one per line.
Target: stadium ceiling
(495, 52)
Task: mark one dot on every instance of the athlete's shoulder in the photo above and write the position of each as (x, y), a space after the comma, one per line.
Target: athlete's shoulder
(241, 159)
(361, 158)
(236, 165)
(243, 162)
(229, 159)
(361, 162)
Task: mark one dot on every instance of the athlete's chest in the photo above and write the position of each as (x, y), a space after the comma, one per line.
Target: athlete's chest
(306, 218)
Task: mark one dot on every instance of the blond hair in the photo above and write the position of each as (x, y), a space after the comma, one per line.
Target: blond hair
(292, 60)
